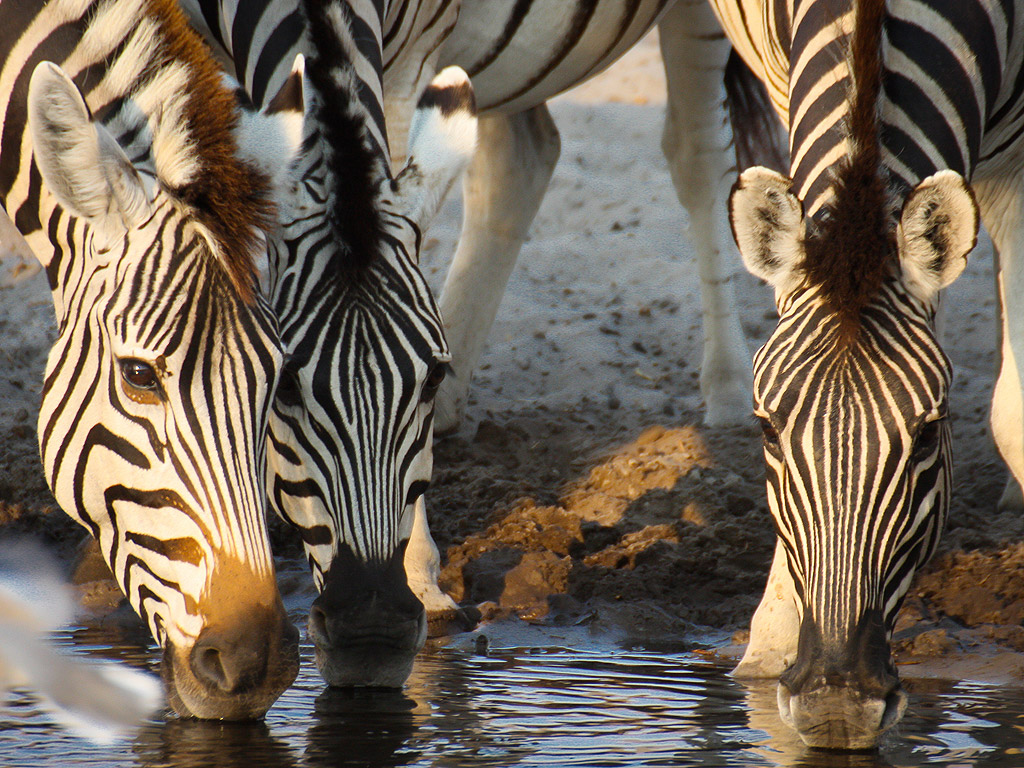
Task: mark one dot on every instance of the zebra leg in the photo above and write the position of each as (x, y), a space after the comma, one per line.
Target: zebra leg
(1002, 208)
(514, 160)
(775, 628)
(422, 570)
(697, 144)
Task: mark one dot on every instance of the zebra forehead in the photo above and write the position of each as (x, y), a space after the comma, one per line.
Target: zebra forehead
(894, 358)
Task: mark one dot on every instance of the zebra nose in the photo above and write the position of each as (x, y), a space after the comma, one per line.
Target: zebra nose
(230, 662)
(366, 625)
(374, 615)
(842, 695)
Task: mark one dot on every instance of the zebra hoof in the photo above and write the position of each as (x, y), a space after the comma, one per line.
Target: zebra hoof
(719, 415)
(1012, 499)
(452, 621)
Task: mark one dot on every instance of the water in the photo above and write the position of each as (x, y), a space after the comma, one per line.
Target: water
(590, 705)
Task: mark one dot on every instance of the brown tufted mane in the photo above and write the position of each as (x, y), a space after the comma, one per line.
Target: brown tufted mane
(231, 198)
(850, 251)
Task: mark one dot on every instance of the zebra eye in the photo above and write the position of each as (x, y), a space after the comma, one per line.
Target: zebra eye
(927, 440)
(435, 376)
(288, 390)
(771, 435)
(139, 374)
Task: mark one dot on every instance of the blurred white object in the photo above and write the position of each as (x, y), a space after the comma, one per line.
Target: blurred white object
(98, 700)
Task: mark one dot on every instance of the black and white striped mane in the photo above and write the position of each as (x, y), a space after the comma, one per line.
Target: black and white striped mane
(355, 165)
(850, 247)
(231, 198)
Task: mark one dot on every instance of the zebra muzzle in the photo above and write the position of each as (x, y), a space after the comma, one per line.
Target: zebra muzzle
(244, 658)
(842, 695)
(366, 625)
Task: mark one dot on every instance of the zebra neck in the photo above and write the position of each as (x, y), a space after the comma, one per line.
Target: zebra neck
(929, 121)
(346, 44)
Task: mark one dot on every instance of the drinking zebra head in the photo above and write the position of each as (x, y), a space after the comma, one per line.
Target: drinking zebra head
(124, 178)
(852, 392)
(350, 431)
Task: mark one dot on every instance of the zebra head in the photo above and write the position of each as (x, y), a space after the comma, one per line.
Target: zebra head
(158, 387)
(351, 426)
(852, 393)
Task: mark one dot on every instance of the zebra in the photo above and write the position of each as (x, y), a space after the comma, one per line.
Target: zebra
(350, 430)
(517, 151)
(891, 109)
(119, 166)
(518, 56)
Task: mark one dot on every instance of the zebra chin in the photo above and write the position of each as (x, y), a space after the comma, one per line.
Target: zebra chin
(842, 695)
(367, 625)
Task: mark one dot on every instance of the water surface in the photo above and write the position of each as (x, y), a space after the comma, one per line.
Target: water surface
(592, 704)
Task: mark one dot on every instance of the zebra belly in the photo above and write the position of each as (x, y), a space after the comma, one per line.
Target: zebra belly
(521, 58)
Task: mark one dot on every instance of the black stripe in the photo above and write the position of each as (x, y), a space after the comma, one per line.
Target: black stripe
(512, 24)
(581, 18)
(281, 42)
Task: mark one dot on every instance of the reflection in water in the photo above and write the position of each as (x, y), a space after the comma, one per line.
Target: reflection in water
(361, 727)
(211, 744)
(590, 705)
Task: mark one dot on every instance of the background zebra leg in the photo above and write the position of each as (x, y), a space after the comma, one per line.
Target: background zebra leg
(506, 181)
(775, 628)
(697, 142)
(423, 569)
(1002, 208)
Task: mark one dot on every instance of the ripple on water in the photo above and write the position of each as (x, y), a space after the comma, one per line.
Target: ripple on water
(527, 707)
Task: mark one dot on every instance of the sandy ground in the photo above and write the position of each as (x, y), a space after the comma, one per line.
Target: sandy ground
(582, 488)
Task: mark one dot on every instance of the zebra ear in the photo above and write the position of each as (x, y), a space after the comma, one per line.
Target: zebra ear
(767, 222)
(80, 162)
(442, 139)
(938, 229)
(272, 139)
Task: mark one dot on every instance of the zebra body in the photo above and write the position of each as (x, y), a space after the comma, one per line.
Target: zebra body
(158, 387)
(519, 55)
(351, 428)
(890, 107)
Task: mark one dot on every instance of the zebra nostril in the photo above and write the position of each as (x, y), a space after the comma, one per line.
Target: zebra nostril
(229, 663)
(209, 668)
(318, 631)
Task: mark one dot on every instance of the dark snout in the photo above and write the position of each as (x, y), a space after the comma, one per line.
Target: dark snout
(842, 695)
(367, 625)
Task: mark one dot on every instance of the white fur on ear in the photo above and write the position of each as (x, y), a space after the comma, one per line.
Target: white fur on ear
(442, 139)
(938, 229)
(271, 139)
(80, 162)
(767, 223)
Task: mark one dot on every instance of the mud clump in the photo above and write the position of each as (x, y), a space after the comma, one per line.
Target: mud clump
(664, 521)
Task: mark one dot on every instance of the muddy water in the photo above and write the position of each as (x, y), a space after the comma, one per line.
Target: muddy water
(589, 703)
